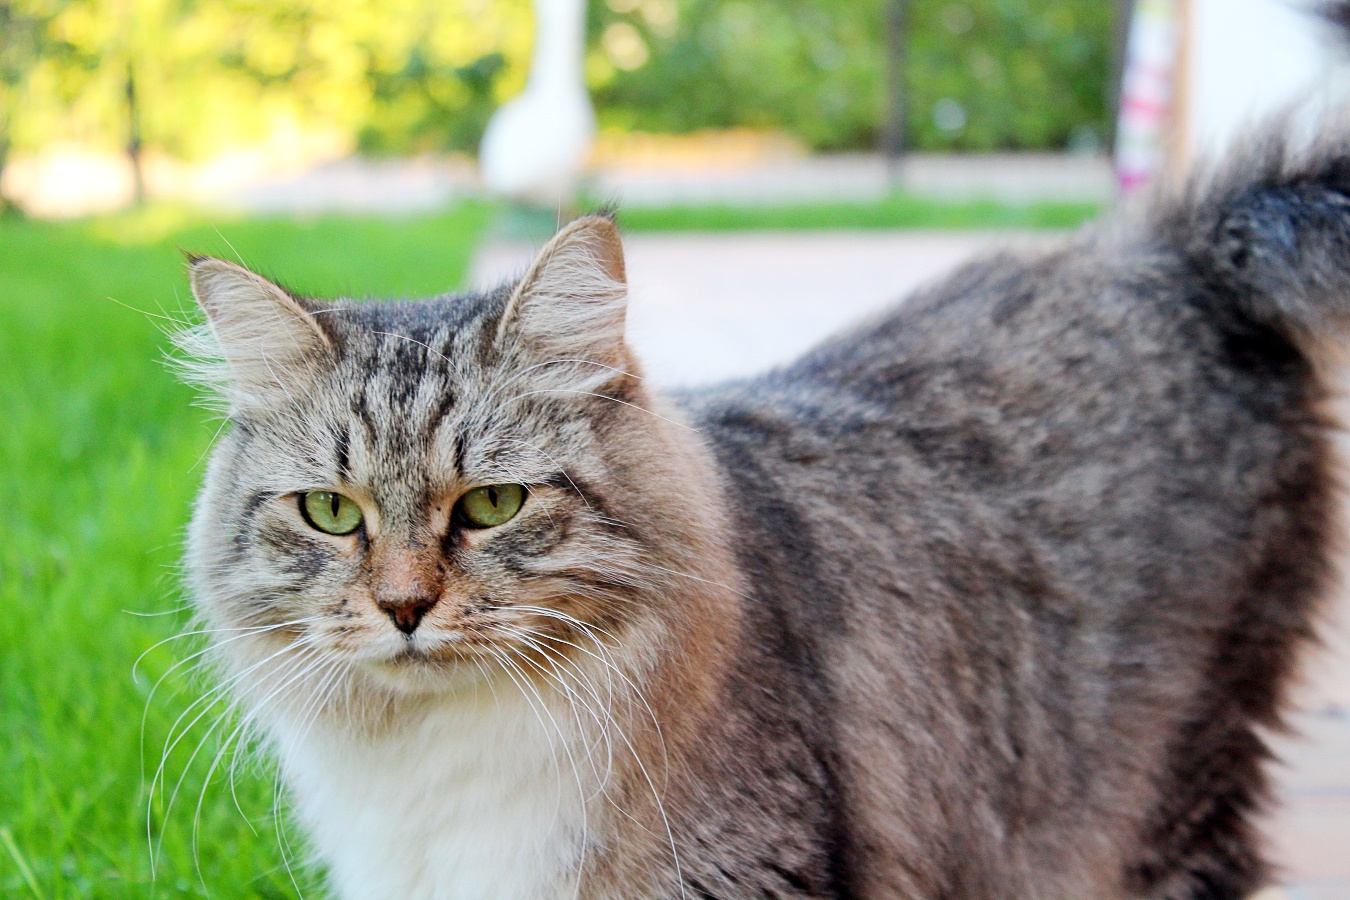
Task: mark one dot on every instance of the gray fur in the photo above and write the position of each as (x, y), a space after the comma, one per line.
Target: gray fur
(985, 598)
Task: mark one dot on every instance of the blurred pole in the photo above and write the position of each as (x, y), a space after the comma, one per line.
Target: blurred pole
(1120, 40)
(893, 120)
(535, 146)
(1180, 142)
(134, 143)
(7, 206)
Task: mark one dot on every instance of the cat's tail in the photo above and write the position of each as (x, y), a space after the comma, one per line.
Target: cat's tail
(1269, 228)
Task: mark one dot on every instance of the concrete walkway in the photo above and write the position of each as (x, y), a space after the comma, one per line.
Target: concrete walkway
(61, 184)
(705, 308)
(1010, 177)
(414, 185)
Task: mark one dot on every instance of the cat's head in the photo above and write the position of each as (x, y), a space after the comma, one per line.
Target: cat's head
(416, 494)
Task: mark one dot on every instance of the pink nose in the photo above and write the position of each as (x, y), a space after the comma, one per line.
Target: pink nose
(407, 612)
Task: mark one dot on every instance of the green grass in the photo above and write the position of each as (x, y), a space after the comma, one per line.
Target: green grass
(100, 455)
(898, 211)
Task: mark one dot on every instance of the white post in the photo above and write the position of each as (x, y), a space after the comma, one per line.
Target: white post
(536, 145)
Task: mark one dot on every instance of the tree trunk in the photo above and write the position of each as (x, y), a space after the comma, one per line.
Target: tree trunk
(134, 144)
(893, 121)
(7, 206)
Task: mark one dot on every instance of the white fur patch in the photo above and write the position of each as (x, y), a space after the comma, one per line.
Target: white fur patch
(477, 799)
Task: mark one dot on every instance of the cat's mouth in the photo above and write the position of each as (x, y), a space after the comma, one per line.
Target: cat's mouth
(416, 653)
(413, 655)
(416, 663)
(418, 668)
(444, 652)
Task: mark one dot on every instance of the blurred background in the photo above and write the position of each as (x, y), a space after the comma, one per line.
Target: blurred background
(107, 101)
(779, 167)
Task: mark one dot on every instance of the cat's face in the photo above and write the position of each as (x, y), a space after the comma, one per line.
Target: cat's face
(425, 493)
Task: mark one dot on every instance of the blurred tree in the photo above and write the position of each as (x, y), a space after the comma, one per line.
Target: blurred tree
(193, 77)
(21, 30)
(978, 74)
(14, 59)
(813, 67)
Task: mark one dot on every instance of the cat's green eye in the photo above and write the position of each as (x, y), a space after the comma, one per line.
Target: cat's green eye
(330, 512)
(491, 505)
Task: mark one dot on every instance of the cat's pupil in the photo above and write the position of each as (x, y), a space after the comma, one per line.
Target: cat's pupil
(335, 502)
(492, 496)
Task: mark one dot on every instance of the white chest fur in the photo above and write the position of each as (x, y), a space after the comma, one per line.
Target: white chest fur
(480, 798)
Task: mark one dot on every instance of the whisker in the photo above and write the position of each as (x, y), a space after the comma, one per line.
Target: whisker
(656, 797)
(521, 684)
(209, 698)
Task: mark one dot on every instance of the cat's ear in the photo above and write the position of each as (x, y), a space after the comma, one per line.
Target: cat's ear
(572, 302)
(267, 337)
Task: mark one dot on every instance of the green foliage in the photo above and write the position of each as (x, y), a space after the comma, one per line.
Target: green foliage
(813, 68)
(402, 75)
(980, 74)
(99, 458)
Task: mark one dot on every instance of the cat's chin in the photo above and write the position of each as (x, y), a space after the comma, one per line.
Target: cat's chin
(411, 670)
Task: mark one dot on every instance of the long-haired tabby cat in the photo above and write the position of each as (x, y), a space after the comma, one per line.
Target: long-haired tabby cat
(989, 597)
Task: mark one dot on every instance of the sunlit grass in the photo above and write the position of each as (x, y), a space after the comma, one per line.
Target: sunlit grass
(898, 211)
(100, 454)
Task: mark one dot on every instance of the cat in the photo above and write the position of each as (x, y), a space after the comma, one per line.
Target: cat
(991, 596)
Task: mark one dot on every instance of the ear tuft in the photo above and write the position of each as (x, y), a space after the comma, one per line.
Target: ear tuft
(268, 338)
(572, 302)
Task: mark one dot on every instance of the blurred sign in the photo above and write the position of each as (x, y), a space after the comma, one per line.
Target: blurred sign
(1148, 91)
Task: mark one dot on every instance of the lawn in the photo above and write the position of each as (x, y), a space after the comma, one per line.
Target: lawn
(897, 211)
(100, 454)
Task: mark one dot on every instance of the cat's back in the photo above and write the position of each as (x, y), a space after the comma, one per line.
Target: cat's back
(1021, 515)
(1085, 399)
(1097, 405)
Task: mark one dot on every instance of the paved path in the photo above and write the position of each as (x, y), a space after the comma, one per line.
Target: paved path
(706, 308)
(411, 185)
(65, 183)
(1012, 177)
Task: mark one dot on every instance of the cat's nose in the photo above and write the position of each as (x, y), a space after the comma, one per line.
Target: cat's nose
(407, 583)
(407, 612)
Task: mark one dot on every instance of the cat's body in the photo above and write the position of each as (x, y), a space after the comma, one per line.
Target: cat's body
(984, 599)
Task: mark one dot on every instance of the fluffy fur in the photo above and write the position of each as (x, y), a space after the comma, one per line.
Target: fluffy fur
(988, 597)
